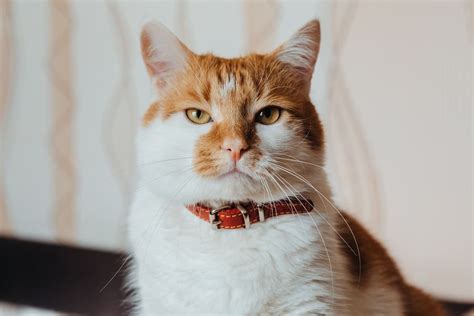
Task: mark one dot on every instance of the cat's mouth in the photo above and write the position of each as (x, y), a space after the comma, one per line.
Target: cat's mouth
(235, 172)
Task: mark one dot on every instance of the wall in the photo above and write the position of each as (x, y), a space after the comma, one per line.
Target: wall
(408, 69)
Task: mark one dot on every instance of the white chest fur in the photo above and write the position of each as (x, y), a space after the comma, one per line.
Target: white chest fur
(182, 266)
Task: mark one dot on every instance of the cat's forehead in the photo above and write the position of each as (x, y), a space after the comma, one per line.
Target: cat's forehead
(234, 84)
(225, 78)
(228, 88)
(231, 83)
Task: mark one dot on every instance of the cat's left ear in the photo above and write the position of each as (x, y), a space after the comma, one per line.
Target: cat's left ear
(301, 50)
(163, 53)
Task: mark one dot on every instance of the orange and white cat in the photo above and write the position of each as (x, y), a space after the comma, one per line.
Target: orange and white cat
(243, 131)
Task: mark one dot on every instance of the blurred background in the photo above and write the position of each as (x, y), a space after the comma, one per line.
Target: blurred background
(393, 85)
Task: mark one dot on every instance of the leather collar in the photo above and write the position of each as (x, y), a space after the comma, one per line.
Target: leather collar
(242, 215)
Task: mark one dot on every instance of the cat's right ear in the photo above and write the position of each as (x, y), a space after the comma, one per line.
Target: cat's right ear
(163, 53)
(302, 49)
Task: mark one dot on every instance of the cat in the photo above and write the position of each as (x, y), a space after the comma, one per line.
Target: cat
(241, 137)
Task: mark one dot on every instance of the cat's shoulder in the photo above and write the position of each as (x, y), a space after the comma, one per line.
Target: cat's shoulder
(374, 272)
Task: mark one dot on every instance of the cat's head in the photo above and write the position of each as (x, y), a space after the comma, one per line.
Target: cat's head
(230, 129)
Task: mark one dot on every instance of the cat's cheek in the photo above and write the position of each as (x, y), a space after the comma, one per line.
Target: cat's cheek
(274, 138)
(167, 145)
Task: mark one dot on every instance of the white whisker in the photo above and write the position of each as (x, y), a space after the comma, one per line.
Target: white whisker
(319, 232)
(282, 181)
(164, 160)
(304, 180)
(299, 161)
(156, 220)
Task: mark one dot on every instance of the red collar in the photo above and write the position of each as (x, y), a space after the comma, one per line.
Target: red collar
(242, 215)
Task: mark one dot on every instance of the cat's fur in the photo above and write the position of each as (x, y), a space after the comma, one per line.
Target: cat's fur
(321, 263)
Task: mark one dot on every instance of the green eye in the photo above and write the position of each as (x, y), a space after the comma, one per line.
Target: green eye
(268, 115)
(198, 116)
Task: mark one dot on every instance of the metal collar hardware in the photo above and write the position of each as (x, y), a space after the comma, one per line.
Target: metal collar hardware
(261, 212)
(245, 215)
(214, 216)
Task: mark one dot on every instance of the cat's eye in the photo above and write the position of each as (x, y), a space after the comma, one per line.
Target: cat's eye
(198, 116)
(268, 115)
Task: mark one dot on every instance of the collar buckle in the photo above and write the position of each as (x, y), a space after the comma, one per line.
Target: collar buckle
(214, 216)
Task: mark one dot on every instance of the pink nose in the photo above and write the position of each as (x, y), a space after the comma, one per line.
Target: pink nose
(235, 147)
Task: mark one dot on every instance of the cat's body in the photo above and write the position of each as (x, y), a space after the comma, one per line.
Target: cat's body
(321, 262)
(277, 267)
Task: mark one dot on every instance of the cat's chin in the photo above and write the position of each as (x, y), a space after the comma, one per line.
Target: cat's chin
(231, 187)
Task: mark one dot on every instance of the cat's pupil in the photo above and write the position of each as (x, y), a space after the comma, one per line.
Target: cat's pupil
(267, 113)
(198, 113)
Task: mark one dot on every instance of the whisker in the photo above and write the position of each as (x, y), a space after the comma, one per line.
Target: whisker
(323, 217)
(272, 200)
(156, 220)
(304, 180)
(299, 161)
(284, 193)
(164, 160)
(270, 197)
(293, 208)
(264, 186)
(115, 274)
(150, 181)
(325, 247)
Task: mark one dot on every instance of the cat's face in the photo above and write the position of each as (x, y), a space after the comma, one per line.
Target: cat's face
(229, 129)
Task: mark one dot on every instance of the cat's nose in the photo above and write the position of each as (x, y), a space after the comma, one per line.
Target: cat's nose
(236, 147)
